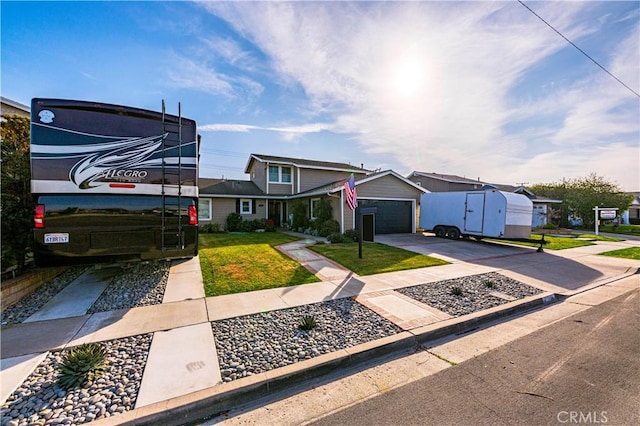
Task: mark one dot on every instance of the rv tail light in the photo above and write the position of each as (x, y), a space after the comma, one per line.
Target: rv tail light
(193, 215)
(38, 216)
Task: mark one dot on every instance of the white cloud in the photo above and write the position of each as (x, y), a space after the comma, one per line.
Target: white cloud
(469, 56)
(187, 73)
(307, 128)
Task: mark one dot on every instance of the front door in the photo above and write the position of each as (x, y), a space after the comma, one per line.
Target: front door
(474, 214)
(275, 212)
(278, 212)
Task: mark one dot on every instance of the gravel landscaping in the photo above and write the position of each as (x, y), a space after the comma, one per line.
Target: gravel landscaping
(256, 343)
(141, 285)
(477, 293)
(31, 303)
(40, 401)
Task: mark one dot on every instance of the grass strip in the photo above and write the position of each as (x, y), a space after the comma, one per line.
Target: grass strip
(626, 253)
(376, 258)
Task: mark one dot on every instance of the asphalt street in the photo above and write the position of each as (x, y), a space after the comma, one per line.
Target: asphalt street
(584, 369)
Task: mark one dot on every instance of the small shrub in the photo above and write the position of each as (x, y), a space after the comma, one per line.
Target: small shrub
(307, 323)
(328, 227)
(269, 225)
(335, 238)
(489, 284)
(234, 221)
(456, 291)
(257, 224)
(210, 228)
(352, 234)
(85, 362)
(549, 226)
(246, 226)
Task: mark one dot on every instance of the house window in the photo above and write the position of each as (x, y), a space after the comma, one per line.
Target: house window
(285, 174)
(274, 174)
(314, 204)
(204, 209)
(279, 174)
(245, 206)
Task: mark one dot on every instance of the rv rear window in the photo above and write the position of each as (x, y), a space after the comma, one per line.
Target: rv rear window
(69, 204)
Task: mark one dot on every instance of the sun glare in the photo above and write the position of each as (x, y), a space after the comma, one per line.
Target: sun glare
(409, 76)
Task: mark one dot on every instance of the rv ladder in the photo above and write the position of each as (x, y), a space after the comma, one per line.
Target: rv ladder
(172, 235)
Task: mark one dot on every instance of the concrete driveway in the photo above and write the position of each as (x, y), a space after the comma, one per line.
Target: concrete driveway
(450, 250)
(560, 271)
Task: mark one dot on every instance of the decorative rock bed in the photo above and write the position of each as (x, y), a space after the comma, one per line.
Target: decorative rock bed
(478, 292)
(40, 401)
(256, 343)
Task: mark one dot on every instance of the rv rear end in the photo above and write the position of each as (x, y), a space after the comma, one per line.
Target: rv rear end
(112, 182)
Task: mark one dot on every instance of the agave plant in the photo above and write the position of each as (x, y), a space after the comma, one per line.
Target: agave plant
(308, 322)
(85, 362)
(456, 291)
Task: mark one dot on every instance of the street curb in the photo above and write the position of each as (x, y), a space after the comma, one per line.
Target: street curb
(224, 397)
(629, 272)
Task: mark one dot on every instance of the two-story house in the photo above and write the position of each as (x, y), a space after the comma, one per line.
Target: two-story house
(434, 182)
(276, 182)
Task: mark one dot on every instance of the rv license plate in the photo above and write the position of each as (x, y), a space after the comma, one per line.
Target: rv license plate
(56, 238)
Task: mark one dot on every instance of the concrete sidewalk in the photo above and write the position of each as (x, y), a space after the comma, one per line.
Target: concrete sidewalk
(175, 377)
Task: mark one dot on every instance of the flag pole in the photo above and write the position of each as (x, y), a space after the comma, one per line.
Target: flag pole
(360, 236)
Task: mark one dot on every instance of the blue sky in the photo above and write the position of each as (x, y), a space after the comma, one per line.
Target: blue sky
(477, 89)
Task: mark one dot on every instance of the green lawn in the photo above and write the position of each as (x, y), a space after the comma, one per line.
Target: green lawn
(594, 237)
(554, 243)
(376, 258)
(236, 263)
(621, 229)
(627, 253)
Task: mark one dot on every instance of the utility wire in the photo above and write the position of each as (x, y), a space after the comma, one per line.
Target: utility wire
(580, 50)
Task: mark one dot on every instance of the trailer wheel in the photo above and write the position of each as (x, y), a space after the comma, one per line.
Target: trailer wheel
(453, 233)
(440, 231)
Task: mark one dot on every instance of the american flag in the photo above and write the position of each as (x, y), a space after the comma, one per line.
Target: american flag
(350, 192)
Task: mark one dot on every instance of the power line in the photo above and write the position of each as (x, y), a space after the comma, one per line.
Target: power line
(580, 50)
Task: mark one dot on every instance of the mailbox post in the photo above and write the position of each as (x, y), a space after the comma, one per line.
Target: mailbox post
(363, 211)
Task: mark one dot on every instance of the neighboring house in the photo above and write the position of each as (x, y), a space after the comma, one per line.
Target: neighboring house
(632, 215)
(276, 182)
(435, 182)
(9, 107)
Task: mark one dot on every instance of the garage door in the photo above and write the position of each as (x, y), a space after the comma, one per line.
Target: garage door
(392, 217)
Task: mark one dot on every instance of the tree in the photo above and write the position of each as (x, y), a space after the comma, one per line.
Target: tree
(300, 215)
(581, 195)
(16, 203)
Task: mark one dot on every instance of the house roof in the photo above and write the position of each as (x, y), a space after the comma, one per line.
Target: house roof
(500, 187)
(15, 104)
(230, 188)
(447, 178)
(304, 163)
(338, 185)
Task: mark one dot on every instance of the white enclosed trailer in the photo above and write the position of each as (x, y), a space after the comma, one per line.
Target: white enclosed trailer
(490, 213)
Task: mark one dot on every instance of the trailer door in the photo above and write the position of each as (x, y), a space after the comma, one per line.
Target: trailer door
(474, 213)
